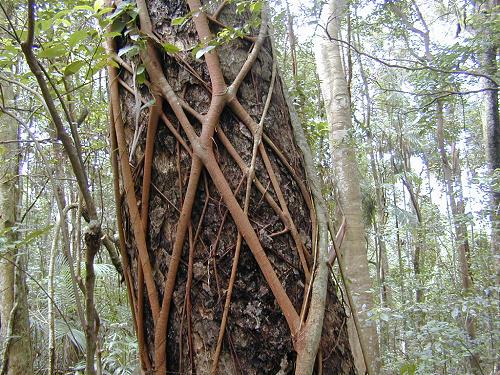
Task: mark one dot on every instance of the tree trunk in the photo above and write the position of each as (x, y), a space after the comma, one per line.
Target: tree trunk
(491, 122)
(452, 177)
(379, 220)
(190, 271)
(337, 102)
(14, 311)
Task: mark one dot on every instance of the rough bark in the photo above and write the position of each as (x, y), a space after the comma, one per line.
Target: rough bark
(262, 334)
(337, 103)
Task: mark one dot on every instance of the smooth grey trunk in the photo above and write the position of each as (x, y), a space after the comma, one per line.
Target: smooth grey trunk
(337, 103)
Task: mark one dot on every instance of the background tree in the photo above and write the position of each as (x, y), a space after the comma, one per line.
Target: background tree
(337, 102)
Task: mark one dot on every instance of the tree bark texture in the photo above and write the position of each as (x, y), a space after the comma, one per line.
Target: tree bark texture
(187, 175)
(337, 103)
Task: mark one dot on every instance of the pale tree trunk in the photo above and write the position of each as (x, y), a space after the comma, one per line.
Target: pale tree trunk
(337, 103)
(491, 123)
(8, 198)
(452, 177)
(379, 220)
(14, 310)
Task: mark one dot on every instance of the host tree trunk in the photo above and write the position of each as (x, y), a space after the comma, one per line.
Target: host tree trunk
(224, 256)
(338, 109)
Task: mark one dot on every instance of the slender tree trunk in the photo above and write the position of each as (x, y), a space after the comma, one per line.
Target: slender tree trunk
(14, 310)
(453, 182)
(379, 220)
(337, 102)
(8, 200)
(227, 265)
(491, 122)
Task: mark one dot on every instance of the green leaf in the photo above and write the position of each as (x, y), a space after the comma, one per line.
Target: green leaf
(256, 7)
(56, 51)
(61, 14)
(76, 37)
(112, 34)
(99, 65)
(98, 4)
(130, 50)
(122, 8)
(44, 25)
(408, 369)
(74, 67)
(170, 48)
(83, 7)
(179, 21)
(103, 11)
(118, 25)
(199, 53)
(140, 78)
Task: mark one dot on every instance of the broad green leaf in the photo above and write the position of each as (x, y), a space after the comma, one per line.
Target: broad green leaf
(74, 67)
(118, 25)
(51, 52)
(178, 21)
(99, 65)
(170, 48)
(112, 34)
(130, 50)
(76, 37)
(44, 25)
